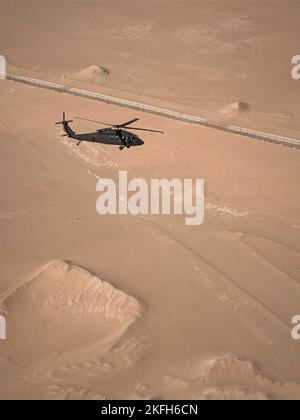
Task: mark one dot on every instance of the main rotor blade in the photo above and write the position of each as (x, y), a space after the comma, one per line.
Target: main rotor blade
(124, 126)
(145, 129)
(128, 123)
(110, 125)
(97, 122)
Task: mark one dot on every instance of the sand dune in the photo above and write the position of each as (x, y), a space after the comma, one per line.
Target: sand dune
(225, 377)
(235, 108)
(92, 74)
(64, 309)
(61, 324)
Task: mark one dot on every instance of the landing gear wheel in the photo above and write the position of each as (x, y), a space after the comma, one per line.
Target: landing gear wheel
(121, 148)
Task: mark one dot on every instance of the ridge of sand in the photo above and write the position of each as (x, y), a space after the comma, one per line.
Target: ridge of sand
(237, 107)
(219, 377)
(93, 74)
(64, 309)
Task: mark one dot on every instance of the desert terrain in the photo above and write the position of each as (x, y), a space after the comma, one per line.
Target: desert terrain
(144, 307)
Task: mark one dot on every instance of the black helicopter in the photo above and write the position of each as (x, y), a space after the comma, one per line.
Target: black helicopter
(115, 135)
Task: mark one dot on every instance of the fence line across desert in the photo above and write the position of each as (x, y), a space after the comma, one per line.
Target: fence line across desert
(258, 135)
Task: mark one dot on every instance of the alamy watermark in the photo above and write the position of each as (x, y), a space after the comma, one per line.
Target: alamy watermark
(2, 67)
(296, 328)
(160, 196)
(2, 328)
(296, 68)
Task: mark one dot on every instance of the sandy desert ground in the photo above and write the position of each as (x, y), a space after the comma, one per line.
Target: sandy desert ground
(121, 307)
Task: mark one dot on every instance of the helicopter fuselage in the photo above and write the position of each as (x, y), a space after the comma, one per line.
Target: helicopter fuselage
(109, 136)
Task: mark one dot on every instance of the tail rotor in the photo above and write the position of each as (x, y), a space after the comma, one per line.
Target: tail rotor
(64, 121)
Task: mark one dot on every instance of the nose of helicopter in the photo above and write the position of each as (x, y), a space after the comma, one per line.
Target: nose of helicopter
(138, 142)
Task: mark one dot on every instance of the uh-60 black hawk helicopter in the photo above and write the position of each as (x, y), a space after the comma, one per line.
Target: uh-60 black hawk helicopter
(115, 135)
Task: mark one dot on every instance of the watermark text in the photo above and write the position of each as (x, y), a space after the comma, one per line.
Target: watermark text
(159, 197)
(2, 67)
(296, 329)
(296, 68)
(2, 328)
